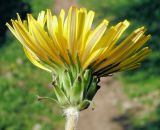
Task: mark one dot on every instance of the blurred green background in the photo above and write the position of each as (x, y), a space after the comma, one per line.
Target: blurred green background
(20, 81)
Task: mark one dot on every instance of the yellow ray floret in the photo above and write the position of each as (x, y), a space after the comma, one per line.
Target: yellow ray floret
(51, 42)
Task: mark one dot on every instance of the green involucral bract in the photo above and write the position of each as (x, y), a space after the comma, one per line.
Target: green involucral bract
(75, 87)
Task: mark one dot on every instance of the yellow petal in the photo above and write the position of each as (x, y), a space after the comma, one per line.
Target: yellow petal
(25, 37)
(41, 18)
(116, 53)
(93, 38)
(137, 57)
(72, 28)
(93, 57)
(34, 60)
(43, 40)
(120, 28)
(86, 31)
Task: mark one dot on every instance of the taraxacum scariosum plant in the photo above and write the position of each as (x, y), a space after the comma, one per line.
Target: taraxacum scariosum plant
(77, 55)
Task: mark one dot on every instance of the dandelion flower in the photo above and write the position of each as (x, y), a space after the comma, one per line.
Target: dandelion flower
(76, 54)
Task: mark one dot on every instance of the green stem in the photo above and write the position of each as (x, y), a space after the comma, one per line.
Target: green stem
(72, 115)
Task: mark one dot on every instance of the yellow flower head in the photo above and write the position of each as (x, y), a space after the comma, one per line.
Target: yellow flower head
(78, 55)
(50, 41)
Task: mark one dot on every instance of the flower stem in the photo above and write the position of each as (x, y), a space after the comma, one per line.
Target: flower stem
(72, 115)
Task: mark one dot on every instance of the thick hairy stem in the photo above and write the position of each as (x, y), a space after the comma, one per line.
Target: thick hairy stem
(72, 115)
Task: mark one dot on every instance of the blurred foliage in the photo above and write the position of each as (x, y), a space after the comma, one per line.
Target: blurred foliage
(150, 121)
(39, 5)
(8, 10)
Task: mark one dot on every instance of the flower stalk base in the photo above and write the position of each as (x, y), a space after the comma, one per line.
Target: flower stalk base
(72, 115)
